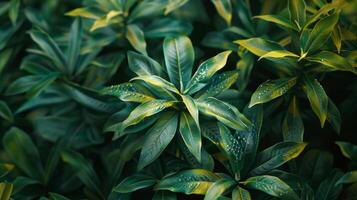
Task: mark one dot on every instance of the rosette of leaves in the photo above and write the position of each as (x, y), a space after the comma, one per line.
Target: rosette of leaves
(302, 61)
(69, 75)
(248, 170)
(173, 99)
(130, 19)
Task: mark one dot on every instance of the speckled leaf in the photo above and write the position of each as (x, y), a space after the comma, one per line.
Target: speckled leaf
(129, 92)
(136, 37)
(191, 134)
(223, 112)
(179, 58)
(293, 127)
(317, 98)
(205, 71)
(224, 9)
(234, 146)
(271, 89)
(276, 156)
(220, 83)
(271, 185)
(218, 188)
(240, 194)
(134, 182)
(194, 181)
(157, 138)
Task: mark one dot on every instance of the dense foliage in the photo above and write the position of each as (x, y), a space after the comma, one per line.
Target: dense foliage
(178, 99)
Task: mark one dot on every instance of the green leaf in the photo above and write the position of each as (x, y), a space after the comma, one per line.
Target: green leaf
(293, 127)
(158, 82)
(22, 151)
(173, 5)
(84, 171)
(129, 92)
(205, 71)
(218, 188)
(277, 19)
(143, 65)
(194, 181)
(349, 177)
(191, 107)
(240, 194)
(317, 98)
(191, 134)
(6, 190)
(234, 146)
(14, 11)
(297, 12)
(271, 89)
(179, 58)
(333, 61)
(224, 9)
(259, 46)
(135, 182)
(74, 44)
(167, 27)
(220, 83)
(136, 37)
(50, 48)
(143, 111)
(320, 33)
(223, 112)
(5, 112)
(276, 156)
(348, 150)
(271, 185)
(157, 138)
(334, 116)
(86, 12)
(278, 54)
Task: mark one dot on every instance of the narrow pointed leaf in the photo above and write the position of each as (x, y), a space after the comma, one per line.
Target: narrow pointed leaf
(195, 181)
(134, 182)
(129, 92)
(136, 37)
(157, 139)
(191, 107)
(293, 127)
(223, 112)
(205, 71)
(272, 186)
(218, 188)
(271, 90)
(224, 9)
(143, 65)
(241, 194)
(179, 58)
(191, 134)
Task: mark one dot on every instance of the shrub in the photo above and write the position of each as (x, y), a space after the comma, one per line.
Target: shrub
(178, 99)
